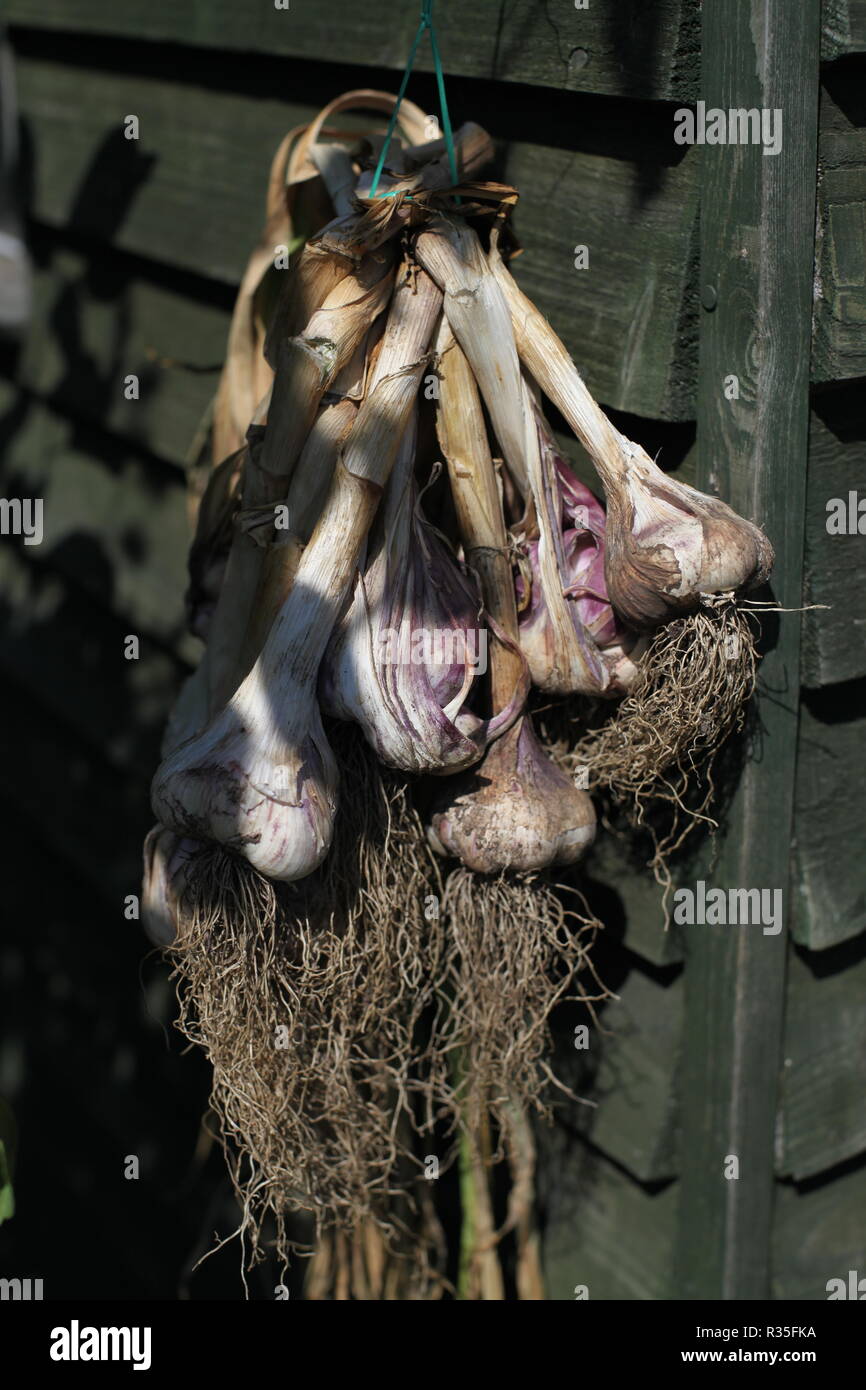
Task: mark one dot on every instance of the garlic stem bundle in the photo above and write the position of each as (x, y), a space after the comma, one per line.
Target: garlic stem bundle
(567, 659)
(403, 660)
(306, 367)
(478, 314)
(516, 810)
(426, 168)
(303, 507)
(462, 434)
(261, 779)
(572, 663)
(667, 544)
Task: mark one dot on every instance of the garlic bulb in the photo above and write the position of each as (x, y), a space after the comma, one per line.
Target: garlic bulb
(517, 811)
(166, 858)
(261, 779)
(571, 523)
(403, 660)
(668, 545)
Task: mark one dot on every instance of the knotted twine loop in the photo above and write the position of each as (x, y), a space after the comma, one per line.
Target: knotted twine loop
(426, 23)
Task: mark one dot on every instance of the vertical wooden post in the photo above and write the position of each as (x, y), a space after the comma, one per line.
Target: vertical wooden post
(757, 247)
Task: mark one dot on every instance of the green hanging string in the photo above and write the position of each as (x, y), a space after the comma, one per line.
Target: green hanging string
(426, 23)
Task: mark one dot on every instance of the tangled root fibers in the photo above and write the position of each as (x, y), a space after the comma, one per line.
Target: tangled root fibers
(307, 999)
(659, 744)
(514, 951)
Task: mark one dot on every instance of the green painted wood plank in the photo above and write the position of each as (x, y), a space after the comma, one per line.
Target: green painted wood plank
(839, 343)
(114, 523)
(830, 902)
(601, 1229)
(819, 1234)
(629, 318)
(90, 814)
(753, 452)
(69, 653)
(636, 1085)
(94, 325)
(843, 24)
(823, 1112)
(189, 193)
(636, 898)
(613, 47)
(834, 637)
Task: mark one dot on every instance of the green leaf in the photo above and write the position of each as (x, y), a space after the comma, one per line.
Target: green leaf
(8, 1136)
(7, 1196)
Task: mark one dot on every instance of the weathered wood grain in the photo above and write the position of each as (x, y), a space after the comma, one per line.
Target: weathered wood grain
(189, 194)
(631, 894)
(843, 25)
(68, 653)
(839, 344)
(753, 452)
(829, 904)
(114, 522)
(834, 637)
(190, 191)
(819, 1234)
(823, 1116)
(601, 1229)
(613, 47)
(636, 1084)
(105, 812)
(94, 325)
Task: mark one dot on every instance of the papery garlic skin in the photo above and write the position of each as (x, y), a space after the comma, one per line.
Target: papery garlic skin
(602, 640)
(387, 668)
(669, 544)
(166, 861)
(516, 811)
(261, 781)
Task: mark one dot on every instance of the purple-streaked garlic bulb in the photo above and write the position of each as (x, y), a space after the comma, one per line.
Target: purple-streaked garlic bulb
(404, 659)
(576, 526)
